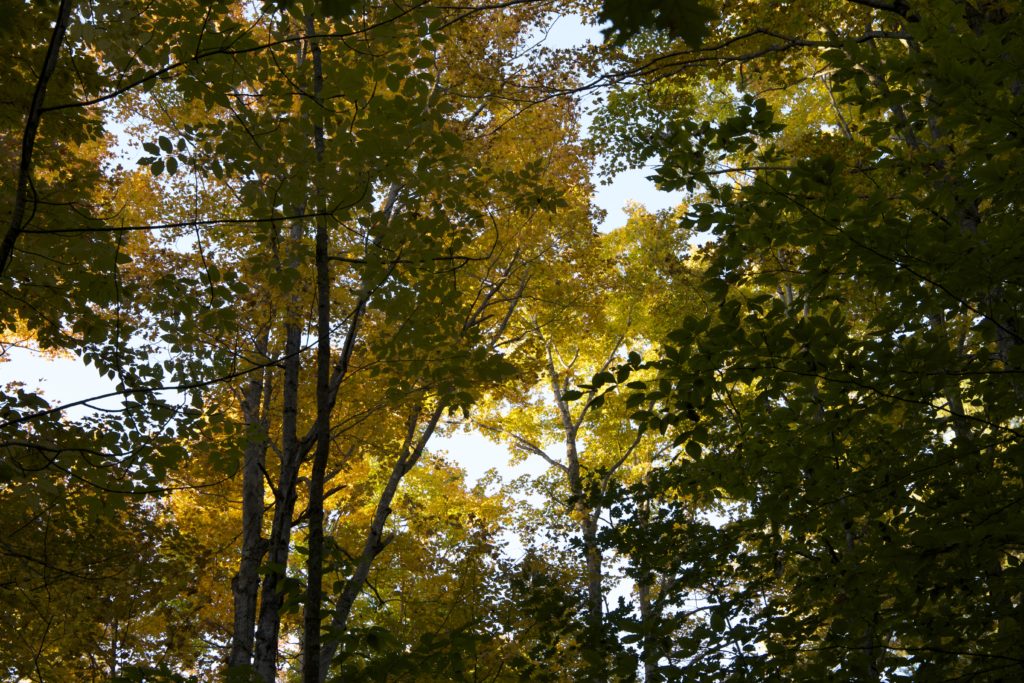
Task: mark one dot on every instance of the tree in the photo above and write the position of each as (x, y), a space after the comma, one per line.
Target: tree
(851, 398)
(610, 286)
(403, 260)
(238, 105)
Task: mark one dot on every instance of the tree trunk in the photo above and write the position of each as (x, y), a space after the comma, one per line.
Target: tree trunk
(649, 650)
(246, 582)
(280, 534)
(588, 524)
(315, 541)
(595, 592)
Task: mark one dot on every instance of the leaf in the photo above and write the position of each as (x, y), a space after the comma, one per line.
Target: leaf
(717, 621)
(338, 9)
(686, 19)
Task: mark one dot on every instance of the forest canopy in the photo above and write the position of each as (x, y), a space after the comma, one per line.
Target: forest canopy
(781, 424)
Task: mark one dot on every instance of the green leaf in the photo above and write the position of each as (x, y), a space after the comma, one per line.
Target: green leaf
(717, 622)
(338, 9)
(686, 19)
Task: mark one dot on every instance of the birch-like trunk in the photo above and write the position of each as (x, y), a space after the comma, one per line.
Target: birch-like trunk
(272, 594)
(588, 525)
(246, 583)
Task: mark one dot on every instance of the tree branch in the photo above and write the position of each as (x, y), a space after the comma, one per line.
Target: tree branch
(28, 139)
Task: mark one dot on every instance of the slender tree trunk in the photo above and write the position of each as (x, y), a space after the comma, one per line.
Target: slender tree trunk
(595, 591)
(648, 656)
(246, 582)
(588, 524)
(411, 451)
(593, 562)
(649, 652)
(269, 625)
(293, 449)
(315, 541)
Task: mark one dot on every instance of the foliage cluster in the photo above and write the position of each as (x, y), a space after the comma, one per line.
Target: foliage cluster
(302, 238)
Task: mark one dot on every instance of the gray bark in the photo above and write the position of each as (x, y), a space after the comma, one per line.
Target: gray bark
(588, 517)
(269, 625)
(245, 584)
